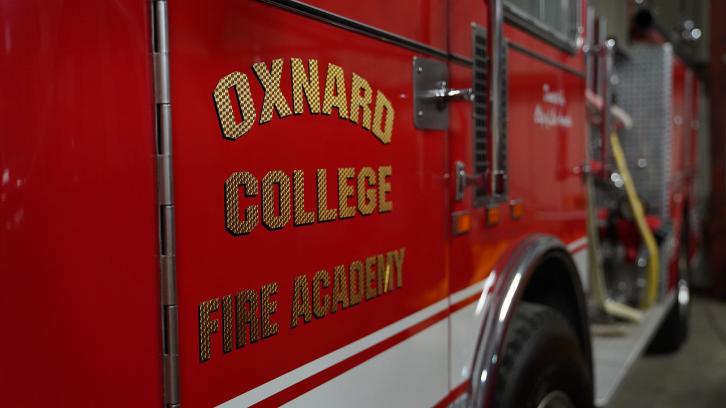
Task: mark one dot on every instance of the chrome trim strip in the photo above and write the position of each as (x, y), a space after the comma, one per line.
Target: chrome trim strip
(514, 273)
(165, 202)
(590, 53)
(395, 39)
(365, 29)
(495, 54)
(461, 60)
(534, 54)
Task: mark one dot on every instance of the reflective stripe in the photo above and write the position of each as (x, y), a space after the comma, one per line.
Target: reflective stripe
(420, 333)
(286, 380)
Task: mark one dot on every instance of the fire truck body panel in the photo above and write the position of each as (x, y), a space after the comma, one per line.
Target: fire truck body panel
(685, 131)
(78, 245)
(437, 289)
(422, 23)
(544, 163)
(324, 250)
(303, 352)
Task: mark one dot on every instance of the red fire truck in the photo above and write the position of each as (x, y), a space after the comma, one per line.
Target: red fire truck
(328, 203)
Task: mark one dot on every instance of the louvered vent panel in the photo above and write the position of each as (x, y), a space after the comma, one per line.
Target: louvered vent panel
(502, 153)
(481, 101)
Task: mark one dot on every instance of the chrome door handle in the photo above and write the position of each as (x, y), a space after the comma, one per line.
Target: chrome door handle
(463, 180)
(443, 94)
(431, 94)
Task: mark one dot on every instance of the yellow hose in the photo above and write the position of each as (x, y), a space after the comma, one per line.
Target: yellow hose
(598, 289)
(639, 214)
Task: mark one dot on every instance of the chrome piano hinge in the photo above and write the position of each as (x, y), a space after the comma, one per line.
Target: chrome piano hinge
(165, 201)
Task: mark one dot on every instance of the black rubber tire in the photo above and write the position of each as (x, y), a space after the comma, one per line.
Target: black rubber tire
(671, 334)
(673, 331)
(541, 355)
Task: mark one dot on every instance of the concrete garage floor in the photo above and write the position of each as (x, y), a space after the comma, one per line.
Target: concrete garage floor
(694, 377)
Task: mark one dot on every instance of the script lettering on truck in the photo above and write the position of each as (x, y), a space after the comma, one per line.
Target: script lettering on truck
(277, 198)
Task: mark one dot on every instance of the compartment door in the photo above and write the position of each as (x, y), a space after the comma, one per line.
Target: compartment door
(311, 215)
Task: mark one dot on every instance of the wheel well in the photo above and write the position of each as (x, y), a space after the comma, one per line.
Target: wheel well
(555, 283)
(538, 270)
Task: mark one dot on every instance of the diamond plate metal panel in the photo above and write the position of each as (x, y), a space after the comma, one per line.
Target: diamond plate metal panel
(644, 89)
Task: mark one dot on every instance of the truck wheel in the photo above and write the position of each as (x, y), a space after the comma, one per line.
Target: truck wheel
(542, 364)
(674, 329)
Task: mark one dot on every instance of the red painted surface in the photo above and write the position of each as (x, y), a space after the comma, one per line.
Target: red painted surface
(77, 207)
(423, 21)
(455, 393)
(544, 162)
(463, 12)
(212, 263)
(683, 165)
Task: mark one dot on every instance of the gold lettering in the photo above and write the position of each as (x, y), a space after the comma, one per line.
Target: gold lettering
(356, 282)
(307, 84)
(302, 217)
(345, 191)
(246, 302)
(268, 308)
(223, 104)
(370, 278)
(269, 217)
(270, 81)
(233, 98)
(207, 326)
(324, 213)
(360, 101)
(383, 188)
(383, 133)
(366, 197)
(385, 274)
(335, 94)
(227, 323)
(321, 305)
(398, 258)
(300, 301)
(340, 289)
(231, 193)
(281, 200)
